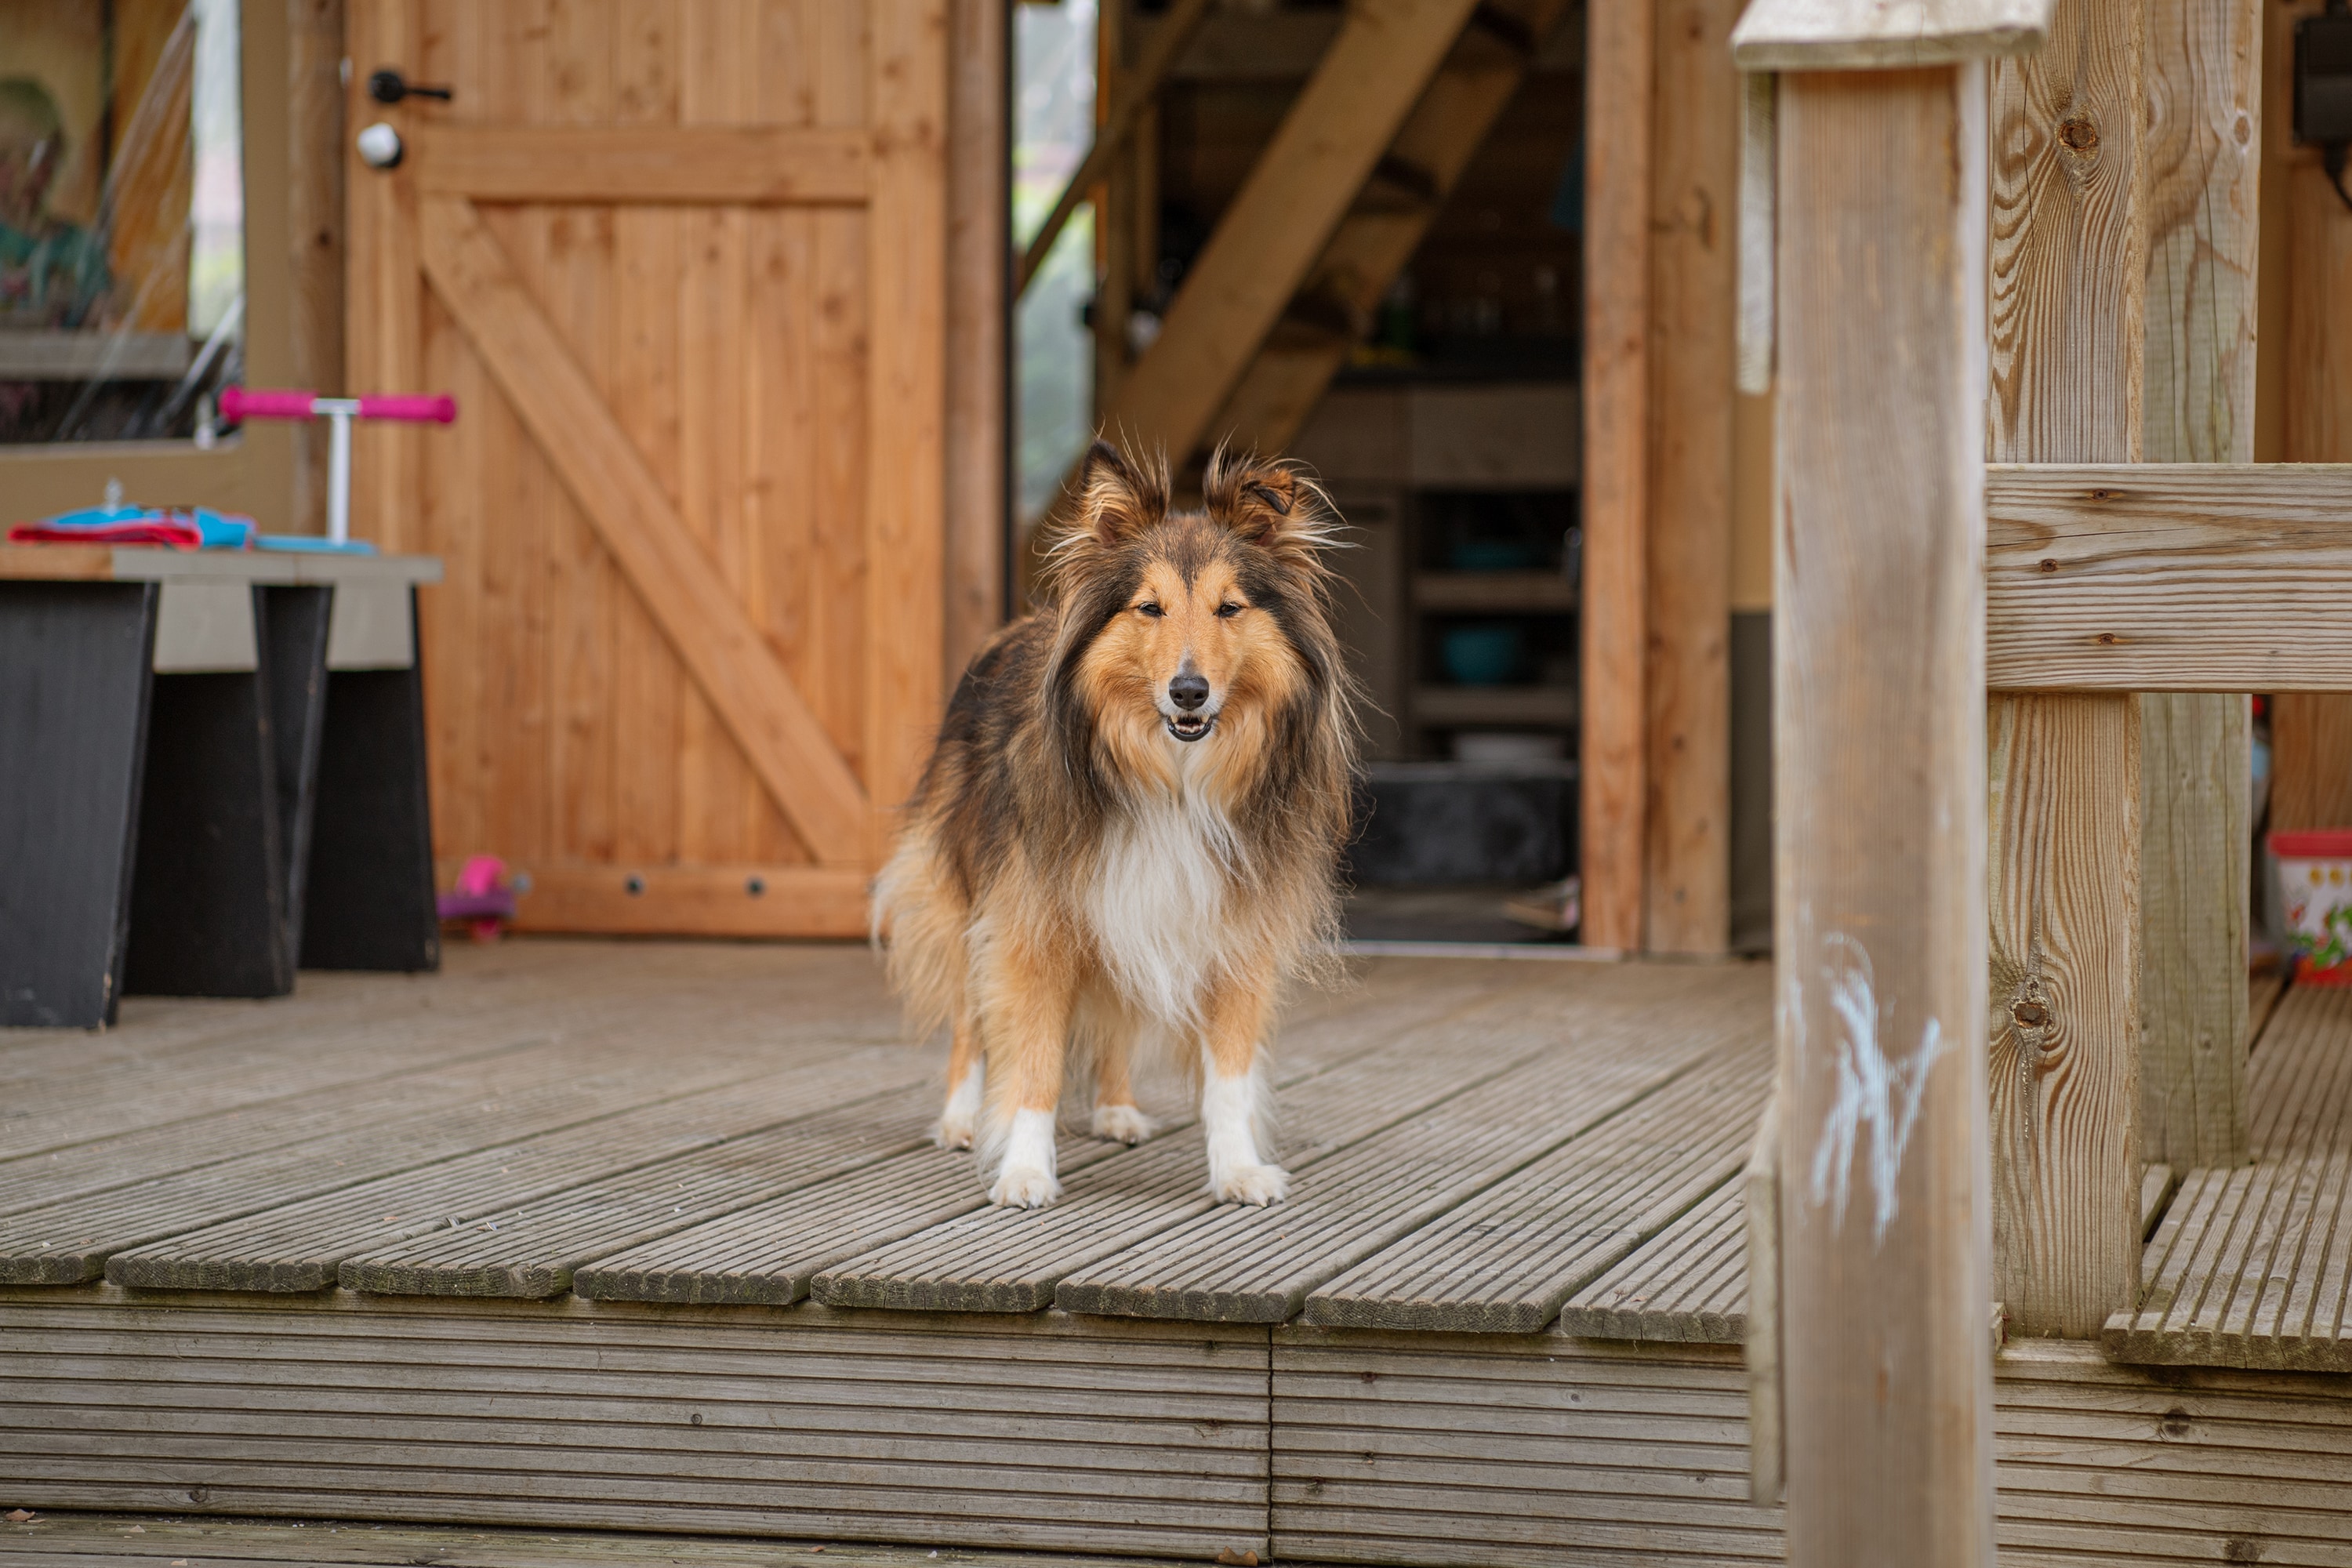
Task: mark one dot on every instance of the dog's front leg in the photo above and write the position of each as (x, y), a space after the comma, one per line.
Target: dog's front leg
(1027, 1006)
(1238, 1098)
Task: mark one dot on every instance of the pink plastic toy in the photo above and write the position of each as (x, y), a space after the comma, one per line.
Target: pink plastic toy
(238, 403)
(480, 897)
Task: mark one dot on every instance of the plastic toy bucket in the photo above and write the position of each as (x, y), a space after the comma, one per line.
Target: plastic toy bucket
(2314, 883)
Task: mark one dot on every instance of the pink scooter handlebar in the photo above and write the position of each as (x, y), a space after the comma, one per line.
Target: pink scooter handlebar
(239, 404)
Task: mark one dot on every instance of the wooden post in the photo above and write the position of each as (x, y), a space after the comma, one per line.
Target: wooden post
(1611, 776)
(1688, 674)
(2068, 287)
(1878, 689)
(2307, 378)
(2202, 180)
(980, 239)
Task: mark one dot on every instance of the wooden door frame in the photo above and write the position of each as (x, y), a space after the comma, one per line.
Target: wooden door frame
(1654, 763)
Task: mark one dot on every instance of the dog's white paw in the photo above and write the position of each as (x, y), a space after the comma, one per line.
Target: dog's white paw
(1123, 1124)
(1023, 1187)
(953, 1131)
(1259, 1184)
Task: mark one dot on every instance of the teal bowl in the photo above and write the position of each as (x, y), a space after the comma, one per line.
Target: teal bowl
(1482, 655)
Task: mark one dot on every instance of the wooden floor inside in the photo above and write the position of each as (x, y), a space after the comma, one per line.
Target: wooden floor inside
(650, 1236)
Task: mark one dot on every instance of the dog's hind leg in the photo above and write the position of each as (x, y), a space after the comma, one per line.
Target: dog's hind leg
(967, 1077)
(1237, 1097)
(1116, 1117)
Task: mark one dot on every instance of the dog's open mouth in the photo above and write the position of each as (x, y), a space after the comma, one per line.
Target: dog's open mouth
(1190, 726)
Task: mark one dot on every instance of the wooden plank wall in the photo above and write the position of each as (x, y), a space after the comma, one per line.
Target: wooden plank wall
(2068, 283)
(1043, 1432)
(2308, 400)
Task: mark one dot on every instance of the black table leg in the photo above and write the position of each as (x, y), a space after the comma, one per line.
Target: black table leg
(74, 682)
(208, 905)
(370, 904)
(295, 649)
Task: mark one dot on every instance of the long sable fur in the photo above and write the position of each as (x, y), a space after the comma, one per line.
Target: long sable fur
(1020, 786)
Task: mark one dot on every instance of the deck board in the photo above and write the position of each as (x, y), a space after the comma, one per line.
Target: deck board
(1505, 1261)
(1690, 1286)
(2252, 1267)
(771, 1254)
(301, 1246)
(135, 1540)
(1004, 1260)
(1244, 1265)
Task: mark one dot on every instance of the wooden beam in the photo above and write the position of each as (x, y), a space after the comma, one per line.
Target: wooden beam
(2202, 177)
(783, 740)
(2068, 281)
(315, 49)
(2311, 732)
(1613, 752)
(1877, 35)
(788, 900)
(2171, 577)
(1348, 114)
(980, 237)
(906, 503)
(2311, 760)
(1286, 381)
(710, 165)
(1138, 91)
(1694, 296)
(383, 331)
(1878, 688)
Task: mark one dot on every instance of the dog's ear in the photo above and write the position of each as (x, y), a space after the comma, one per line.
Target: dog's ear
(1116, 501)
(1267, 503)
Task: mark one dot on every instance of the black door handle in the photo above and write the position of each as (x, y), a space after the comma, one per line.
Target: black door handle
(390, 87)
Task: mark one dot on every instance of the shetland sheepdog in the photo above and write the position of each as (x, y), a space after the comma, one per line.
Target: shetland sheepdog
(1130, 826)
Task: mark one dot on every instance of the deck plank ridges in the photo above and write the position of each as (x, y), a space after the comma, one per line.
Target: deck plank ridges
(1242, 1265)
(2252, 1267)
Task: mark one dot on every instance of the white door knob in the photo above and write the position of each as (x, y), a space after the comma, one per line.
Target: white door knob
(380, 147)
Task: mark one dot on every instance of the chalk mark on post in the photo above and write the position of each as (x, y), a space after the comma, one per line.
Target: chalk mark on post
(1868, 1086)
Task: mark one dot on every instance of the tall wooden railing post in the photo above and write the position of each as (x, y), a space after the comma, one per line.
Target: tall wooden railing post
(2068, 304)
(1878, 684)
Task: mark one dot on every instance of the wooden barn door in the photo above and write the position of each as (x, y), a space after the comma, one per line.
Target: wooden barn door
(683, 264)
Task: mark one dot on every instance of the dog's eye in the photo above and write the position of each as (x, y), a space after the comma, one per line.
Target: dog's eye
(1228, 612)
(1154, 611)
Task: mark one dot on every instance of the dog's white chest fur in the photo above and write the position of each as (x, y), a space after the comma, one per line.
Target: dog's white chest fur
(1157, 904)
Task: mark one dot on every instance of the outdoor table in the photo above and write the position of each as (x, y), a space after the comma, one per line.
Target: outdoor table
(212, 770)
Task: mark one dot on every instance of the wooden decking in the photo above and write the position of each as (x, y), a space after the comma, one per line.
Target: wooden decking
(650, 1236)
(2252, 1265)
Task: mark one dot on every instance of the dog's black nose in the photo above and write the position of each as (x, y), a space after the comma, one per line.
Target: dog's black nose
(1188, 691)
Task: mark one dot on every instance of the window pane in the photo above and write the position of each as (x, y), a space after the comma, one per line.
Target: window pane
(1053, 126)
(122, 214)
